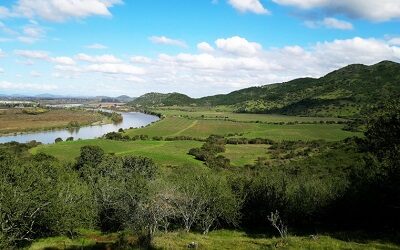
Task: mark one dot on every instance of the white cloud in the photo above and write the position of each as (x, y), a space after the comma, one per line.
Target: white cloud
(63, 60)
(116, 69)
(98, 59)
(167, 41)
(1, 70)
(10, 86)
(61, 10)
(375, 10)
(331, 23)
(394, 41)
(32, 54)
(96, 46)
(35, 74)
(254, 6)
(43, 55)
(141, 59)
(238, 45)
(233, 63)
(205, 47)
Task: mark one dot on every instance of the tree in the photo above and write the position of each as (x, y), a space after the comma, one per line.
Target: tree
(90, 156)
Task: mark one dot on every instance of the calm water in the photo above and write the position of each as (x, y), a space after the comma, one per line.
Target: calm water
(131, 119)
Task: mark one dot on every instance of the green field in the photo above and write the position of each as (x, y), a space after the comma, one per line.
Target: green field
(218, 240)
(178, 126)
(165, 153)
(222, 113)
(241, 155)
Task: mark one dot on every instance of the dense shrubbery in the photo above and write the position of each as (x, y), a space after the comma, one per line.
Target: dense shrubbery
(209, 152)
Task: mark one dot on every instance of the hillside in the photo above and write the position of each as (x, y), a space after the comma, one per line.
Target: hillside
(158, 99)
(346, 92)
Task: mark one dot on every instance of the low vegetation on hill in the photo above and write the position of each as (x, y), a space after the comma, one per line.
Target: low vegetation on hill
(347, 92)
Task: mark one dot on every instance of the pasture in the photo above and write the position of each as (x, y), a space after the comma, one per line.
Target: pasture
(179, 126)
(165, 153)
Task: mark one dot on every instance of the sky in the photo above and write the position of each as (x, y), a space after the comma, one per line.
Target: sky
(195, 47)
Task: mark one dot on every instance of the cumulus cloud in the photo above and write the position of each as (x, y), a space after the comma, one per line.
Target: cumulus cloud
(12, 86)
(394, 41)
(96, 46)
(238, 45)
(331, 23)
(167, 41)
(234, 63)
(254, 6)
(63, 60)
(43, 55)
(116, 69)
(98, 59)
(382, 10)
(61, 10)
(141, 59)
(205, 47)
(32, 54)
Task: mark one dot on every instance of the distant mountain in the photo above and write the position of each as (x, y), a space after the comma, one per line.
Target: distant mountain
(46, 95)
(346, 92)
(158, 99)
(125, 98)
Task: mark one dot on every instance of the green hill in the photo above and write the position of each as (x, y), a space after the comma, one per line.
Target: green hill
(346, 92)
(158, 99)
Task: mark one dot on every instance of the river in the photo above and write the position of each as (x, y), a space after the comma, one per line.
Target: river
(131, 119)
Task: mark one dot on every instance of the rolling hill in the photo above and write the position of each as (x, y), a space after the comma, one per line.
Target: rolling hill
(346, 92)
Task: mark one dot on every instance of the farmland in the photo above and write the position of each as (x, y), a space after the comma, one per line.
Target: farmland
(20, 120)
(162, 152)
(180, 126)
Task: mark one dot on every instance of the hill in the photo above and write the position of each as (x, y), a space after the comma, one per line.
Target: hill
(158, 99)
(346, 92)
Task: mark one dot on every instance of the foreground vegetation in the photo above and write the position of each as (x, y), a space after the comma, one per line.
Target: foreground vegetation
(135, 189)
(222, 239)
(35, 119)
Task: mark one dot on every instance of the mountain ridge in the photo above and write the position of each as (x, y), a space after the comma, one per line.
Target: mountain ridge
(346, 92)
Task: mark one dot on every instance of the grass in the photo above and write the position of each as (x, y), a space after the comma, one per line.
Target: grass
(218, 240)
(221, 114)
(174, 126)
(165, 153)
(15, 120)
(241, 155)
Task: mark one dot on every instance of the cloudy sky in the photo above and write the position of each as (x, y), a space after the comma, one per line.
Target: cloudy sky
(197, 47)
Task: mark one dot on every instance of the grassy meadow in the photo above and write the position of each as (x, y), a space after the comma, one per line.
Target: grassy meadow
(165, 153)
(180, 126)
(16, 120)
(218, 240)
(222, 113)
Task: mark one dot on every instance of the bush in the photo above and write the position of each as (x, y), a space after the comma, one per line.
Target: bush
(58, 140)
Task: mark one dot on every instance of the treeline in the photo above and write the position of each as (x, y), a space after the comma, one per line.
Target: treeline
(114, 116)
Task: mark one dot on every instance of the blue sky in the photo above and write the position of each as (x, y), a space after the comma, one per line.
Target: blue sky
(197, 47)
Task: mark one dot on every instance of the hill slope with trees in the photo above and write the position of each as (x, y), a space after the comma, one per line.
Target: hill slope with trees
(347, 92)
